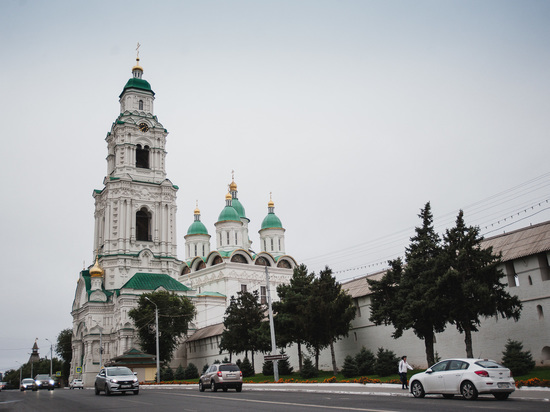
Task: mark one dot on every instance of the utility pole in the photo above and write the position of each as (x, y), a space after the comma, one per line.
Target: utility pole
(51, 356)
(271, 328)
(157, 336)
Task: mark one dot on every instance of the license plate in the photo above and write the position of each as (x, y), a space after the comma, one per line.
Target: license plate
(125, 386)
(230, 375)
(503, 385)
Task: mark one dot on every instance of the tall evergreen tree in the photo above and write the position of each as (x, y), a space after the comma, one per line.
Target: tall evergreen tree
(409, 297)
(243, 325)
(330, 312)
(471, 283)
(290, 323)
(65, 350)
(174, 314)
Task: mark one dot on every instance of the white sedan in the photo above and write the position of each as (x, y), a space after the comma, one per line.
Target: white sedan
(466, 377)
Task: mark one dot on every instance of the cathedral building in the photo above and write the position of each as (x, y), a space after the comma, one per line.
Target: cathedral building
(135, 247)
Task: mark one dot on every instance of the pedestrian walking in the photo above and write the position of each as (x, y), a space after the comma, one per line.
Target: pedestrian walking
(403, 366)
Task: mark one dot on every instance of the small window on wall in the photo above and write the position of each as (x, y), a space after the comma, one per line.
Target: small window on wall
(540, 312)
(243, 288)
(511, 275)
(141, 105)
(263, 295)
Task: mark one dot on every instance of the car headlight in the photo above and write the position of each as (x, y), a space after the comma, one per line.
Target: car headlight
(52, 382)
(114, 381)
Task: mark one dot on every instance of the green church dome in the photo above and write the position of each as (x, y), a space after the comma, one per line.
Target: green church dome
(237, 205)
(197, 228)
(272, 221)
(229, 213)
(135, 83)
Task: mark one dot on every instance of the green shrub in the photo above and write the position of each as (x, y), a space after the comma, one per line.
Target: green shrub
(386, 362)
(180, 373)
(267, 368)
(246, 368)
(350, 368)
(520, 362)
(284, 366)
(364, 361)
(166, 374)
(191, 372)
(308, 369)
(204, 368)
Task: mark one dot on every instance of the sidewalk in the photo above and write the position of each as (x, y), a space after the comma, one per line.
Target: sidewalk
(380, 389)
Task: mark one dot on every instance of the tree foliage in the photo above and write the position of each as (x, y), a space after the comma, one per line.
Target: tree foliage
(64, 349)
(471, 283)
(290, 322)
(365, 360)
(349, 369)
(520, 362)
(174, 314)
(243, 320)
(408, 297)
(386, 362)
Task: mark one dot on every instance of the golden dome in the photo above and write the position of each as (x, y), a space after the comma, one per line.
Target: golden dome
(270, 203)
(233, 186)
(137, 66)
(228, 196)
(197, 210)
(96, 271)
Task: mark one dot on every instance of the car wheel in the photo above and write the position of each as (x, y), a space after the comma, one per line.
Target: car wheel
(96, 390)
(107, 390)
(448, 396)
(468, 391)
(239, 388)
(213, 386)
(136, 392)
(417, 389)
(201, 387)
(501, 396)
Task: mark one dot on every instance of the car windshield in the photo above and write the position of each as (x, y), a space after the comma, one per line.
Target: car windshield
(42, 376)
(489, 364)
(119, 372)
(28, 381)
(229, 368)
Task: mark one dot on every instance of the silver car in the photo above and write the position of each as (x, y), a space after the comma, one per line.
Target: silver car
(464, 376)
(222, 376)
(116, 379)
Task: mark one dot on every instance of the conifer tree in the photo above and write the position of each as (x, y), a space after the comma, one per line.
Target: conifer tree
(471, 285)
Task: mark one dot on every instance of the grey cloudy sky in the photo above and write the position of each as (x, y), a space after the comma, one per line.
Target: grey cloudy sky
(353, 113)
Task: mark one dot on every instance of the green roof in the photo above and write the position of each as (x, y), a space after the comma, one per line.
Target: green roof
(229, 213)
(236, 204)
(152, 281)
(271, 221)
(135, 83)
(214, 294)
(197, 228)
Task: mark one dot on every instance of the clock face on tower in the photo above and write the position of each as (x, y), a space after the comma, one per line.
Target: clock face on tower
(143, 127)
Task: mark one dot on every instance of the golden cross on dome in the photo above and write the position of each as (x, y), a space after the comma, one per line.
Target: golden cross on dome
(137, 49)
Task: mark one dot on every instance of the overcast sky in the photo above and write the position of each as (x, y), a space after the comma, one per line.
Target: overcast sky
(354, 114)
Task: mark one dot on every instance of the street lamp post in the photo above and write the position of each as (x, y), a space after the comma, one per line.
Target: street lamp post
(51, 356)
(20, 373)
(100, 344)
(157, 336)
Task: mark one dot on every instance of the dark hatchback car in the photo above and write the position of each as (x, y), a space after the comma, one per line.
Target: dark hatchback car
(222, 376)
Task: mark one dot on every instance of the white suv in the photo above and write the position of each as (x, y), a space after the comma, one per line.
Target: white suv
(222, 376)
(116, 379)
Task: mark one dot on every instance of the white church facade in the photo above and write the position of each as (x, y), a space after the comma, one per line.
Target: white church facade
(135, 244)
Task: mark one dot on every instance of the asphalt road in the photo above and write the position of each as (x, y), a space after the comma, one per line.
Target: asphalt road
(287, 400)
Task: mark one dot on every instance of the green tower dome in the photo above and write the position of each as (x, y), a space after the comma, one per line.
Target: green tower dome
(272, 221)
(197, 228)
(237, 205)
(229, 213)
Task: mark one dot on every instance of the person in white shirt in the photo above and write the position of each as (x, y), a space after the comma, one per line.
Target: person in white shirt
(403, 366)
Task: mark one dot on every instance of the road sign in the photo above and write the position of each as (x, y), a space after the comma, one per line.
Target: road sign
(79, 369)
(58, 374)
(279, 356)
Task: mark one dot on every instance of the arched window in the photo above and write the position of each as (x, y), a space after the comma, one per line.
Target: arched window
(283, 264)
(540, 312)
(185, 270)
(143, 225)
(530, 280)
(217, 260)
(261, 261)
(238, 259)
(227, 237)
(236, 241)
(142, 157)
(202, 265)
(141, 105)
